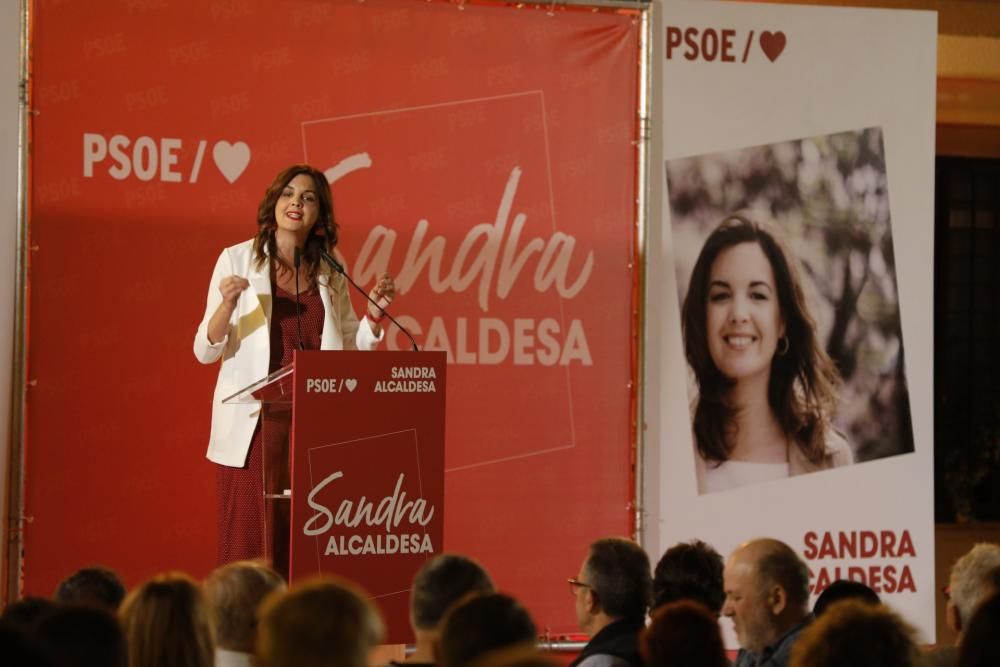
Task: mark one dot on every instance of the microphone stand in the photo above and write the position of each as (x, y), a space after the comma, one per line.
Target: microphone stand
(339, 268)
(297, 259)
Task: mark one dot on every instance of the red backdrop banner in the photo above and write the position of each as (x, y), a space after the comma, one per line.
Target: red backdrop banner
(484, 155)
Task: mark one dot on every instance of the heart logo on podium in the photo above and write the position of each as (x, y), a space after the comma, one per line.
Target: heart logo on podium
(350, 383)
(231, 159)
(773, 43)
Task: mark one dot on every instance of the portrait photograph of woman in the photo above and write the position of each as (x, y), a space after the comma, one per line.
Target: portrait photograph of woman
(789, 308)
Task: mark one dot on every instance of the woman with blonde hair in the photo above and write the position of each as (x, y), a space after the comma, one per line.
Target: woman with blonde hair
(324, 622)
(166, 624)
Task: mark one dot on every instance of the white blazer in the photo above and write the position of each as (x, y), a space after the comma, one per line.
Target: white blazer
(246, 349)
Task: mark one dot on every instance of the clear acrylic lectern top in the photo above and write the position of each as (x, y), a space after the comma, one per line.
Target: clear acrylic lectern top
(275, 388)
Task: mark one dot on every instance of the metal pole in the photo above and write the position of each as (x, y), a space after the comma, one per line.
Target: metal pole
(642, 234)
(15, 487)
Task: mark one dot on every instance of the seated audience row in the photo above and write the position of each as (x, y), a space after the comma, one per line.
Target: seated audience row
(244, 615)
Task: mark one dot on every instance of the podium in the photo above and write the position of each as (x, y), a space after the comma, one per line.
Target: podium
(354, 469)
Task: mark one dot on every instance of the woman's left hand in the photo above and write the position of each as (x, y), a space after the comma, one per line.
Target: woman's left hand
(383, 293)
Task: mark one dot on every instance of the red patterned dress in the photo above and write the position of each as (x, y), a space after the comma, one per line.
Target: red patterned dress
(240, 491)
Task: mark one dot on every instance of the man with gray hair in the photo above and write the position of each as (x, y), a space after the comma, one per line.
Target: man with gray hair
(234, 593)
(971, 582)
(612, 593)
(767, 598)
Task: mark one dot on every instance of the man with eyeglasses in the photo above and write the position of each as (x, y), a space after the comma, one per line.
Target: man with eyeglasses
(612, 593)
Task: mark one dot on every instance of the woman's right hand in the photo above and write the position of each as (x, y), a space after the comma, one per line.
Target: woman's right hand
(231, 287)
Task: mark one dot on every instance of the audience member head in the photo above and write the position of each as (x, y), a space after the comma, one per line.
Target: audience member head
(614, 584)
(843, 589)
(166, 624)
(92, 585)
(690, 571)
(483, 624)
(767, 592)
(324, 622)
(980, 647)
(437, 586)
(234, 593)
(859, 634)
(81, 635)
(18, 647)
(521, 655)
(971, 582)
(440, 583)
(24, 612)
(683, 633)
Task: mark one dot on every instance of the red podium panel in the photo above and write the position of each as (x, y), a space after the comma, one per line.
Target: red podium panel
(367, 463)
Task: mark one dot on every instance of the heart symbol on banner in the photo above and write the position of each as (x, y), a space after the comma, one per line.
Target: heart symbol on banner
(773, 43)
(231, 159)
(351, 383)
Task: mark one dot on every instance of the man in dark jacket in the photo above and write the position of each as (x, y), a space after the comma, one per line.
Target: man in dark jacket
(612, 593)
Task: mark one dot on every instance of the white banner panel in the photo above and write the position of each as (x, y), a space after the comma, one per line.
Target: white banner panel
(817, 124)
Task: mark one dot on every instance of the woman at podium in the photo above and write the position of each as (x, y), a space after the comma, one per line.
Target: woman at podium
(269, 296)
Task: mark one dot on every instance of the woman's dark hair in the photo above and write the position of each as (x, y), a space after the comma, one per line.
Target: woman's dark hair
(25, 612)
(92, 585)
(803, 386)
(323, 235)
(844, 589)
(483, 624)
(683, 633)
(81, 635)
(690, 571)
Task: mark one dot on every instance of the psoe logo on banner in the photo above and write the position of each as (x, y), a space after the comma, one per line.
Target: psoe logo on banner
(394, 526)
(330, 385)
(149, 159)
(723, 45)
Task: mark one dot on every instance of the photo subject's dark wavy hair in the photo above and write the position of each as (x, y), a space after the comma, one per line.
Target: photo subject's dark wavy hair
(323, 235)
(803, 387)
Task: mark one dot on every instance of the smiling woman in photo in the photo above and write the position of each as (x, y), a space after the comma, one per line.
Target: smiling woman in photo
(766, 387)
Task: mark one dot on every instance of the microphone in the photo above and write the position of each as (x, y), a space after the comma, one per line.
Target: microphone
(297, 260)
(339, 268)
